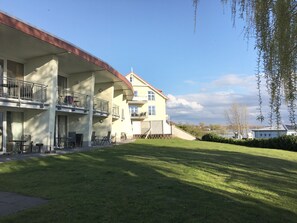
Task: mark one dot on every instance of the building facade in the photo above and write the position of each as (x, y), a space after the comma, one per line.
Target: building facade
(272, 132)
(50, 88)
(147, 109)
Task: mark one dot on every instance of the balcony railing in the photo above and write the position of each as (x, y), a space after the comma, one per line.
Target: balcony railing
(139, 98)
(138, 115)
(22, 90)
(116, 111)
(72, 99)
(101, 105)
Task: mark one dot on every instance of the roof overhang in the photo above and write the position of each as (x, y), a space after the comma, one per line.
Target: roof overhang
(23, 41)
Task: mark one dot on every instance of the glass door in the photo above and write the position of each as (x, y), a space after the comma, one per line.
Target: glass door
(60, 130)
(1, 77)
(1, 131)
(15, 128)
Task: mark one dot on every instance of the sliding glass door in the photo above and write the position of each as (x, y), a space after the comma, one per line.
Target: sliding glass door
(15, 128)
(60, 130)
(1, 131)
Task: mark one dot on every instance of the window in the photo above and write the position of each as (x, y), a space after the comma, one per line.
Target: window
(133, 110)
(131, 79)
(15, 70)
(123, 114)
(151, 95)
(151, 110)
(62, 82)
(135, 93)
(1, 67)
(1, 74)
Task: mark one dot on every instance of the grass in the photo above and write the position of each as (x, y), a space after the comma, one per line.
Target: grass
(158, 181)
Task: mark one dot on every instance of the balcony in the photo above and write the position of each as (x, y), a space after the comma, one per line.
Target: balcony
(115, 111)
(138, 116)
(19, 93)
(100, 107)
(70, 101)
(139, 100)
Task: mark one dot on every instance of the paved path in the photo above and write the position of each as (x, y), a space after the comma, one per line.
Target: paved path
(7, 158)
(11, 203)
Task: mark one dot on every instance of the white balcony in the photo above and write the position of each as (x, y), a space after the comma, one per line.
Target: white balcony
(138, 115)
(139, 100)
(101, 107)
(70, 101)
(23, 94)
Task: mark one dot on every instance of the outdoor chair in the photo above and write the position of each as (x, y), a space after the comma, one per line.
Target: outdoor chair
(94, 139)
(106, 139)
(27, 146)
(71, 139)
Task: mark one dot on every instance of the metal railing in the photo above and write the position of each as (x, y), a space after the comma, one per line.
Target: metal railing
(116, 111)
(22, 90)
(138, 115)
(100, 105)
(71, 99)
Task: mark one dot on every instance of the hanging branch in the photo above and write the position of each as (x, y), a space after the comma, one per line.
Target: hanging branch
(274, 24)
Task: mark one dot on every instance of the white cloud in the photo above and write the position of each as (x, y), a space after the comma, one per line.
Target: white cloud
(217, 96)
(181, 103)
(235, 80)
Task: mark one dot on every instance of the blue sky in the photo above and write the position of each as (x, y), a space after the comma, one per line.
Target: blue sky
(203, 73)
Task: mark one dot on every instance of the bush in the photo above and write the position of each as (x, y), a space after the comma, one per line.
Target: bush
(285, 142)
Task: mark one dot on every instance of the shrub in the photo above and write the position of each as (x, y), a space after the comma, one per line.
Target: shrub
(285, 142)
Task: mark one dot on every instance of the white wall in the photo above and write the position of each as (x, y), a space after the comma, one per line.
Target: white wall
(41, 124)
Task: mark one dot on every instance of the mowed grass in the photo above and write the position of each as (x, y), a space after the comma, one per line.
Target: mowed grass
(158, 181)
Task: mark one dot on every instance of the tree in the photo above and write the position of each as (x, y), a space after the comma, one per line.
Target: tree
(236, 118)
(274, 25)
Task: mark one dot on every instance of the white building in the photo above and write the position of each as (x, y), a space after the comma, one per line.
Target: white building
(51, 90)
(148, 109)
(272, 132)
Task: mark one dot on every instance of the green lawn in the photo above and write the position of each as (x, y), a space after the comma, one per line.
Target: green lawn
(158, 181)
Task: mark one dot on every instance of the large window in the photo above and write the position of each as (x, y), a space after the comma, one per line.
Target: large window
(15, 70)
(62, 82)
(1, 68)
(151, 110)
(1, 76)
(151, 95)
(1, 131)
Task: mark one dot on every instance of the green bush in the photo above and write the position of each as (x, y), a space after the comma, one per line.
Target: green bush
(285, 142)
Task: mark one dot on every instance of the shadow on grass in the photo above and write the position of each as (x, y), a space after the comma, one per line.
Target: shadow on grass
(151, 183)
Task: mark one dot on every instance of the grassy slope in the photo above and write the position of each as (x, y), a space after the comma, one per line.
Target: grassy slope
(159, 181)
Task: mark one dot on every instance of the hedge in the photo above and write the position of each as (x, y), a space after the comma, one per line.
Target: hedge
(285, 142)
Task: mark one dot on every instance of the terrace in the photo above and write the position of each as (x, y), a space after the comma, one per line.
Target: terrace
(19, 93)
(101, 107)
(71, 101)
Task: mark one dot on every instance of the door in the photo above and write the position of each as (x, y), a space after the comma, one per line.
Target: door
(1, 131)
(60, 130)
(15, 128)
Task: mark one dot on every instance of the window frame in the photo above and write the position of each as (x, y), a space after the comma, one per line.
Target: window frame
(151, 96)
(151, 110)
